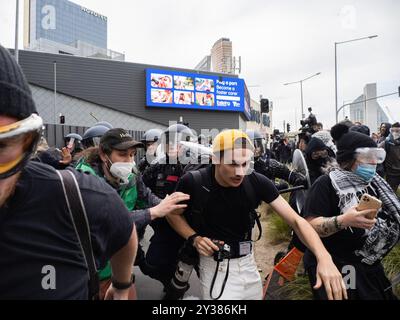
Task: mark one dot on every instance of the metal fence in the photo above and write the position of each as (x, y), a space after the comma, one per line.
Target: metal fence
(55, 133)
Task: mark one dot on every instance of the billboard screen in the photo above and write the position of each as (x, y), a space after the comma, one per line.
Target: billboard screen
(174, 89)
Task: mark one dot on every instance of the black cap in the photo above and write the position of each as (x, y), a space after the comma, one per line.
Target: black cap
(15, 95)
(119, 139)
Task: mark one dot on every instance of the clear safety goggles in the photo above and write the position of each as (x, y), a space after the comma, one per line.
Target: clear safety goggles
(395, 130)
(32, 123)
(13, 134)
(371, 155)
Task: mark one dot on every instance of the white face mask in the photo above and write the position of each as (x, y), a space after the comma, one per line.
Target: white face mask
(395, 135)
(121, 170)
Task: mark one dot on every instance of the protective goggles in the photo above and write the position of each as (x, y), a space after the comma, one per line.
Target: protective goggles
(32, 123)
(395, 130)
(371, 155)
(14, 134)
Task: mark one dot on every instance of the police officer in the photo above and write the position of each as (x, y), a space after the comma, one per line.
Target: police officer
(162, 177)
(149, 141)
(92, 136)
(264, 164)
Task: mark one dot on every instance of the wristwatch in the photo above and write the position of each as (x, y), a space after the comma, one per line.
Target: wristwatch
(192, 237)
(122, 285)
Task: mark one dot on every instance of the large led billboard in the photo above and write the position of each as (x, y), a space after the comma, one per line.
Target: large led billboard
(173, 89)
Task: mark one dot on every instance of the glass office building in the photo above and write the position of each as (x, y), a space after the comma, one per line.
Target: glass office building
(63, 22)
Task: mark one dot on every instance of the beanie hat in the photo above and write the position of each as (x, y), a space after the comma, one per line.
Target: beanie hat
(15, 95)
(361, 129)
(348, 141)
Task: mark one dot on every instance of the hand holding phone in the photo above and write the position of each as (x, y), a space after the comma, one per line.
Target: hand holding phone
(369, 202)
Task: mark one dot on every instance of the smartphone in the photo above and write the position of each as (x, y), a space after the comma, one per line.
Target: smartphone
(369, 202)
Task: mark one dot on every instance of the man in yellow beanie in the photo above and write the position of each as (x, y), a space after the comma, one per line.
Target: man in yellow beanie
(219, 219)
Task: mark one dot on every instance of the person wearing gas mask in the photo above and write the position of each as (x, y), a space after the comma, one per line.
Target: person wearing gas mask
(149, 141)
(162, 177)
(357, 240)
(317, 156)
(271, 168)
(392, 162)
(113, 161)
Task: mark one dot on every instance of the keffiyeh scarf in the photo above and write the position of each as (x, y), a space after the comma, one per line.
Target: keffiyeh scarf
(386, 231)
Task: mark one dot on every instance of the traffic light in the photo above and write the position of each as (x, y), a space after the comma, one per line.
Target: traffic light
(62, 118)
(288, 127)
(399, 91)
(264, 104)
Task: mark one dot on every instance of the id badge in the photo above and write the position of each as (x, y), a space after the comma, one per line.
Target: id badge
(244, 248)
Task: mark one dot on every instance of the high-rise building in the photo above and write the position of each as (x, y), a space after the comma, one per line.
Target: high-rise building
(204, 64)
(61, 26)
(221, 56)
(368, 112)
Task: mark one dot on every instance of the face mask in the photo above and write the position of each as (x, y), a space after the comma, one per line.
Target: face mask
(121, 170)
(366, 171)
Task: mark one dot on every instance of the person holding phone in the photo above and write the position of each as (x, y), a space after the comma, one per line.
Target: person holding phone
(358, 240)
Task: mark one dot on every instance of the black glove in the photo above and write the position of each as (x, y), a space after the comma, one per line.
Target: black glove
(282, 185)
(297, 179)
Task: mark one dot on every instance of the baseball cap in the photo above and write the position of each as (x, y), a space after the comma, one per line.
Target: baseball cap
(119, 139)
(227, 140)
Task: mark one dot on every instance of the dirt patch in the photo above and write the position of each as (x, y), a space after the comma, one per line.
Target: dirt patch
(265, 250)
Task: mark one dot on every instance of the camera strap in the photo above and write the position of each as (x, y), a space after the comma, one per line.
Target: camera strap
(223, 283)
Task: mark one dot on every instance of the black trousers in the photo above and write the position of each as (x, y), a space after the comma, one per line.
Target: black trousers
(371, 283)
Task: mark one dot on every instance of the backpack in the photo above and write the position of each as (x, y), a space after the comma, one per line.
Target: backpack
(202, 183)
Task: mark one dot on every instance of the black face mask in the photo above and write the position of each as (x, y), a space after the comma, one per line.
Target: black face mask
(320, 162)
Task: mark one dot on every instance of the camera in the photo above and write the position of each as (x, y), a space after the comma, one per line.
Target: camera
(308, 123)
(224, 251)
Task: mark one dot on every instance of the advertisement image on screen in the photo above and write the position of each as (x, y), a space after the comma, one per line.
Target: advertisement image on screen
(161, 96)
(183, 83)
(204, 84)
(161, 81)
(183, 97)
(205, 99)
(184, 90)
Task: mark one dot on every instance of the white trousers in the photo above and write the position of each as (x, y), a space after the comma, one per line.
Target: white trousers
(244, 280)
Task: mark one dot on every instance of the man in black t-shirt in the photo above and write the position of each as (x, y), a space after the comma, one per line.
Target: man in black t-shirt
(41, 256)
(224, 220)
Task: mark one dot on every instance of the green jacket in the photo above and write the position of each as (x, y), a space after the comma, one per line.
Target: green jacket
(137, 198)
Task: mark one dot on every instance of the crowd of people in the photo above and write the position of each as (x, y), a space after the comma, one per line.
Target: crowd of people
(73, 219)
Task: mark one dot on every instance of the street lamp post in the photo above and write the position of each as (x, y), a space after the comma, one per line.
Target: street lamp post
(336, 93)
(301, 90)
(16, 53)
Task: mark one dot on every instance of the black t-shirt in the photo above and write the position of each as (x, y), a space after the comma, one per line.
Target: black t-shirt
(226, 213)
(323, 201)
(36, 231)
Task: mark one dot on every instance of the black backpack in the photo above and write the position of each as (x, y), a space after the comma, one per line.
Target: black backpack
(202, 185)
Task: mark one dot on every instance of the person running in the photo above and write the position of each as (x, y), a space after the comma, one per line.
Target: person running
(218, 223)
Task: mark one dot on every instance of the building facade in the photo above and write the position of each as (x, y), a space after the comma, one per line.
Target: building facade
(88, 90)
(61, 26)
(221, 56)
(368, 112)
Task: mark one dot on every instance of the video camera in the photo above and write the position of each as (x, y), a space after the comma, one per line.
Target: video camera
(308, 123)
